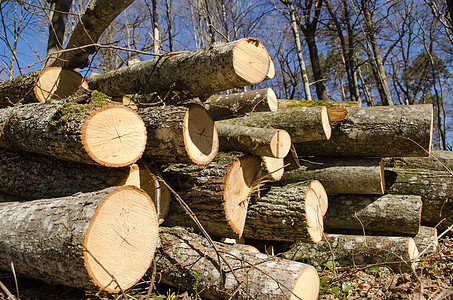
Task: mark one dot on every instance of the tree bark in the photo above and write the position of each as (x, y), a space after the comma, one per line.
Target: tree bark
(253, 140)
(112, 223)
(374, 215)
(302, 123)
(377, 132)
(238, 104)
(285, 213)
(109, 135)
(58, 15)
(189, 75)
(439, 160)
(246, 273)
(180, 134)
(341, 175)
(217, 193)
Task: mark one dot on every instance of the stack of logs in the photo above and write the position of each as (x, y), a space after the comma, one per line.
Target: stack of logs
(99, 177)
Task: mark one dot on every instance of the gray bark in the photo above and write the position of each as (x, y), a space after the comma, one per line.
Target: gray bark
(439, 160)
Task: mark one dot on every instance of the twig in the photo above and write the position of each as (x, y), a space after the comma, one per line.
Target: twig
(7, 292)
(15, 279)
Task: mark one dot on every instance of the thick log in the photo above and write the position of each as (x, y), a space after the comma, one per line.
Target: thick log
(374, 215)
(361, 251)
(302, 123)
(189, 75)
(111, 223)
(19, 89)
(341, 175)
(253, 140)
(434, 187)
(109, 135)
(217, 193)
(180, 134)
(238, 104)
(285, 213)
(384, 131)
(246, 273)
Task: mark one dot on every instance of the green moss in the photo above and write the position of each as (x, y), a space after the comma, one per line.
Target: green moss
(307, 103)
(249, 124)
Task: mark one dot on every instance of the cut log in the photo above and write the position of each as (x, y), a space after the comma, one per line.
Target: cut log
(18, 89)
(378, 131)
(285, 213)
(180, 134)
(112, 223)
(397, 215)
(302, 123)
(273, 168)
(321, 193)
(217, 193)
(253, 140)
(341, 175)
(189, 75)
(360, 250)
(253, 275)
(109, 135)
(434, 187)
(238, 104)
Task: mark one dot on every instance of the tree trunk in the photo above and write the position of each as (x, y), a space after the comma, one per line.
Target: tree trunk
(189, 75)
(109, 135)
(245, 273)
(58, 15)
(217, 193)
(341, 175)
(377, 132)
(285, 213)
(236, 105)
(302, 123)
(253, 140)
(180, 134)
(112, 223)
(374, 215)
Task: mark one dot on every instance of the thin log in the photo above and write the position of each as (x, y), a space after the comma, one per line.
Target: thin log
(341, 175)
(95, 133)
(180, 134)
(439, 160)
(217, 193)
(111, 223)
(246, 273)
(253, 140)
(189, 75)
(302, 123)
(285, 213)
(239, 104)
(374, 215)
(384, 131)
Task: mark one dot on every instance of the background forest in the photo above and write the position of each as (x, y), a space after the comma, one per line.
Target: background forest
(395, 52)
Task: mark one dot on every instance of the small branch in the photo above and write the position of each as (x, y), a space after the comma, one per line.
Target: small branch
(7, 292)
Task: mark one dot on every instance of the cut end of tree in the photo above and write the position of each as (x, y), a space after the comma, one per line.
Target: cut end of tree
(200, 135)
(431, 129)
(272, 99)
(326, 122)
(122, 239)
(251, 61)
(313, 211)
(275, 167)
(320, 191)
(307, 285)
(56, 83)
(337, 114)
(239, 184)
(114, 136)
(412, 251)
(271, 72)
(382, 175)
(280, 144)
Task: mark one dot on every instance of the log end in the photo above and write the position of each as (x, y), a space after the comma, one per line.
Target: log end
(307, 285)
(122, 239)
(56, 83)
(272, 100)
(280, 144)
(114, 136)
(251, 61)
(431, 129)
(271, 72)
(320, 191)
(382, 176)
(314, 216)
(274, 167)
(200, 135)
(240, 182)
(325, 122)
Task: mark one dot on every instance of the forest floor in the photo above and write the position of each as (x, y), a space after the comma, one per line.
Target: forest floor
(433, 280)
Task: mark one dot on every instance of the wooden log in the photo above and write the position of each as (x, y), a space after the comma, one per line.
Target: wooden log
(109, 135)
(302, 123)
(189, 75)
(273, 168)
(238, 104)
(253, 140)
(434, 187)
(439, 160)
(341, 175)
(384, 131)
(252, 274)
(321, 193)
(184, 134)
(18, 89)
(374, 215)
(112, 223)
(285, 213)
(217, 193)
